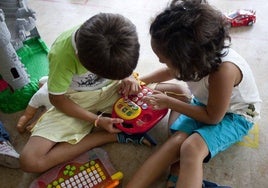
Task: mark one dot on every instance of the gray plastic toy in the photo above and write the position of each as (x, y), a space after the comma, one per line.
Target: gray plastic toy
(17, 23)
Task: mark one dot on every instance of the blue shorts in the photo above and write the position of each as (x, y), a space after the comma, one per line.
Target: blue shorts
(218, 137)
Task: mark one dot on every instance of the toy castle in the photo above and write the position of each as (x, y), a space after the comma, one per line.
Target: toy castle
(23, 55)
(17, 23)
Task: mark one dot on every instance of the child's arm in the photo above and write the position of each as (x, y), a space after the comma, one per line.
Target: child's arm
(160, 75)
(70, 108)
(220, 88)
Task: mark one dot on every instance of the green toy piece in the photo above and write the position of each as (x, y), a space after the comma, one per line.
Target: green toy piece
(23, 55)
(34, 56)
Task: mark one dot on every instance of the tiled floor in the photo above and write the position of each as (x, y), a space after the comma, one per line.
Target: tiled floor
(245, 165)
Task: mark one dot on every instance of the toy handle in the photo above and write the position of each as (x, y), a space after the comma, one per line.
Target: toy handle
(115, 180)
(114, 183)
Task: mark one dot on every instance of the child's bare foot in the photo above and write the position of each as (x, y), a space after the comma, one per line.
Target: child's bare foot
(30, 127)
(25, 118)
(22, 124)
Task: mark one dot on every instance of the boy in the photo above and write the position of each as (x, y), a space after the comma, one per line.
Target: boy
(86, 64)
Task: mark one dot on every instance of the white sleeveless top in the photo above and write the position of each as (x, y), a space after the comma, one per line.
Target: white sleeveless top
(245, 99)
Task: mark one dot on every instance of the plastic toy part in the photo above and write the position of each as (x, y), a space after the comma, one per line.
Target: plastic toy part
(92, 169)
(138, 116)
(3, 85)
(11, 68)
(241, 17)
(23, 55)
(20, 20)
(34, 57)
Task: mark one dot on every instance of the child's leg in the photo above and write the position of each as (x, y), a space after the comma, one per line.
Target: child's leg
(175, 167)
(25, 118)
(181, 90)
(40, 154)
(182, 93)
(157, 163)
(192, 154)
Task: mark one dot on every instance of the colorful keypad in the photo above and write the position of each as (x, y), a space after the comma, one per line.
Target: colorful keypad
(87, 175)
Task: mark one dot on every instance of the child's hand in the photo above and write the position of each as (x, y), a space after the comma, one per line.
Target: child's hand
(157, 100)
(107, 123)
(129, 86)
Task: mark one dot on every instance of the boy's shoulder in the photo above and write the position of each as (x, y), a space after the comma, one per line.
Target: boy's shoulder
(67, 34)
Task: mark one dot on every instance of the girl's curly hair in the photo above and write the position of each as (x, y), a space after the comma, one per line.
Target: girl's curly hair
(192, 34)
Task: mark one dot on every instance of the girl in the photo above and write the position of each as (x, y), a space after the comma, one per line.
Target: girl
(192, 40)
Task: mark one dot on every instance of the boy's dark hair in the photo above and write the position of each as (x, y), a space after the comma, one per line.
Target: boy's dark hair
(108, 45)
(192, 35)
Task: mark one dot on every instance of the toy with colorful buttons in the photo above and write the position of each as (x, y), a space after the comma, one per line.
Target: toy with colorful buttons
(90, 170)
(138, 116)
